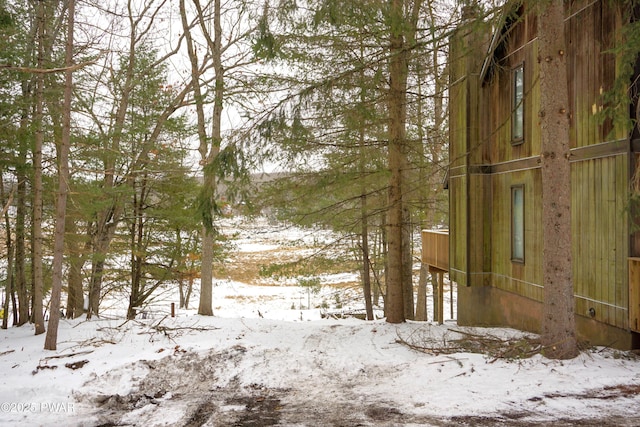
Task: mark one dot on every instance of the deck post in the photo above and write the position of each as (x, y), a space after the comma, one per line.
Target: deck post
(435, 254)
(438, 297)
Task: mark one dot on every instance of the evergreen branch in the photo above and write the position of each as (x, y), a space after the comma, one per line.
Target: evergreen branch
(32, 70)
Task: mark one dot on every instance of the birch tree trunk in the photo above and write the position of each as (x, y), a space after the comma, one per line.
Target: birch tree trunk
(558, 321)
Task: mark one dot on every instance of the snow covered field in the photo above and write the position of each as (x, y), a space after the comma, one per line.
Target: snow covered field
(262, 360)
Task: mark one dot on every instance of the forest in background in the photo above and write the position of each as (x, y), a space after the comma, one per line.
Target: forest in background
(172, 101)
(128, 127)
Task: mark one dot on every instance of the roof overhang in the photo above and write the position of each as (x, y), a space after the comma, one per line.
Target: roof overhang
(511, 12)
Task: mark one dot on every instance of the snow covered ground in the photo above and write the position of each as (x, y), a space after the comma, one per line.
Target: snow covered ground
(264, 361)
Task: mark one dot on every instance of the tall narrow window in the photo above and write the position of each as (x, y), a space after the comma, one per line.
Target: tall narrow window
(517, 107)
(517, 223)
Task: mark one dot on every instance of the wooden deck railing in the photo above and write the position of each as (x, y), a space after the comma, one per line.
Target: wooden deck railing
(435, 248)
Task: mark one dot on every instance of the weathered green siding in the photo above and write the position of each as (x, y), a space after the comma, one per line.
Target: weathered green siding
(522, 278)
(486, 165)
(463, 103)
(458, 94)
(601, 238)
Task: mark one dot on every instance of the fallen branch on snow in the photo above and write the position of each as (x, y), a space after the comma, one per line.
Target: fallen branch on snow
(62, 356)
(490, 345)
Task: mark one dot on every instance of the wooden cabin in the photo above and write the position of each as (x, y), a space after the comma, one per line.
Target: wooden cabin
(495, 177)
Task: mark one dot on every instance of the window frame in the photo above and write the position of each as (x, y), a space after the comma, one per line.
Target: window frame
(518, 224)
(517, 104)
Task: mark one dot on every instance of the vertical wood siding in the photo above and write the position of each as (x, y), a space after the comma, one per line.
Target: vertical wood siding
(457, 155)
(600, 238)
(599, 179)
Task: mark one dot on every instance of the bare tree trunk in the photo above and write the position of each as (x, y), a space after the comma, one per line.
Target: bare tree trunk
(366, 270)
(216, 140)
(51, 339)
(20, 252)
(377, 254)
(423, 202)
(364, 212)
(407, 264)
(385, 257)
(8, 285)
(181, 289)
(38, 280)
(558, 320)
(398, 70)
(206, 280)
(187, 296)
(21, 315)
(181, 267)
(97, 271)
(10, 249)
(14, 304)
(137, 250)
(208, 151)
(208, 238)
(429, 184)
(75, 297)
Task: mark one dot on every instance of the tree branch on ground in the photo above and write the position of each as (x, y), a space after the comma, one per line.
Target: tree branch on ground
(426, 340)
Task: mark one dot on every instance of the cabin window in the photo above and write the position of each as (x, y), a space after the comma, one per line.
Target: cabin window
(517, 223)
(517, 107)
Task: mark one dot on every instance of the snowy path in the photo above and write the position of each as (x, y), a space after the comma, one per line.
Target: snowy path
(212, 371)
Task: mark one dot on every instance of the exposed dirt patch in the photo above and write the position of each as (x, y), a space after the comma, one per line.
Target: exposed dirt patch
(605, 393)
(258, 410)
(381, 413)
(201, 415)
(187, 387)
(506, 420)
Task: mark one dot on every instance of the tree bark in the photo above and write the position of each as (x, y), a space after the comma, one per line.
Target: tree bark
(97, 271)
(75, 295)
(208, 150)
(364, 209)
(558, 321)
(366, 270)
(398, 70)
(38, 278)
(206, 277)
(63, 189)
(407, 263)
(20, 229)
(8, 287)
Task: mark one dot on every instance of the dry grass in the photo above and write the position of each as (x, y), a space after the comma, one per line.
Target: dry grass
(266, 268)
